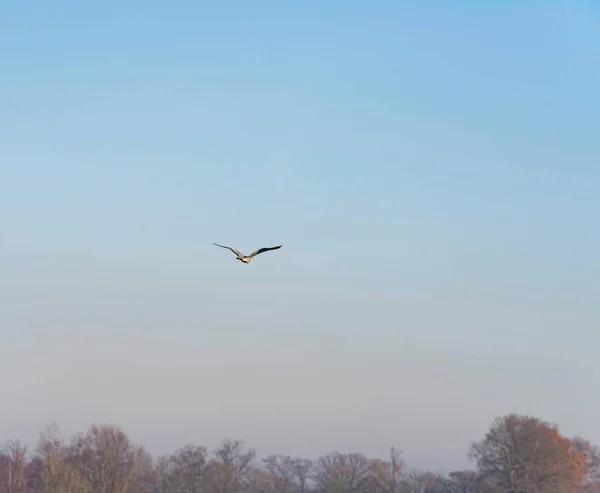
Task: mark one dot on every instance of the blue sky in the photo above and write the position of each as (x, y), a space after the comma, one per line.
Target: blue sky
(432, 172)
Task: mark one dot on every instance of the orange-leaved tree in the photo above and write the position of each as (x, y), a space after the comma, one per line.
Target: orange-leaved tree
(522, 454)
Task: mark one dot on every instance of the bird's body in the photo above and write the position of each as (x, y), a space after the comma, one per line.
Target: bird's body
(247, 259)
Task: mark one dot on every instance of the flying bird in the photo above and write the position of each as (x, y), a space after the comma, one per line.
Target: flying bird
(248, 258)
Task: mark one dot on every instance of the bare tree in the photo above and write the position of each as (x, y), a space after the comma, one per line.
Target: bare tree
(522, 454)
(13, 468)
(182, 471)
(58, 476)
(416, 481)
(463, 482)
(302, 473)
(385, 476)
(260, 481)
(228, 470)
(282, 470)
(109, 462)
(342, 473)
(18, 472)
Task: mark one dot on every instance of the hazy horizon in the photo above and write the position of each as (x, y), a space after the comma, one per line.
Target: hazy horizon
(432, 174)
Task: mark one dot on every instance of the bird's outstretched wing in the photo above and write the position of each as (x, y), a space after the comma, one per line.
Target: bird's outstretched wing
(229, 248)
(262, 250)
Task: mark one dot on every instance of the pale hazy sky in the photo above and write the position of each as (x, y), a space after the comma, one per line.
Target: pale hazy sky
(432, 172)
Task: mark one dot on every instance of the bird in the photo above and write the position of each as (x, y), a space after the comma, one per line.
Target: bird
(247, 259)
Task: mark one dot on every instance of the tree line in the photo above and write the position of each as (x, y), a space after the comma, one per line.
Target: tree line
(518, 454)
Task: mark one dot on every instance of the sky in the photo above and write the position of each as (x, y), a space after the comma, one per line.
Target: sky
(431, 170)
